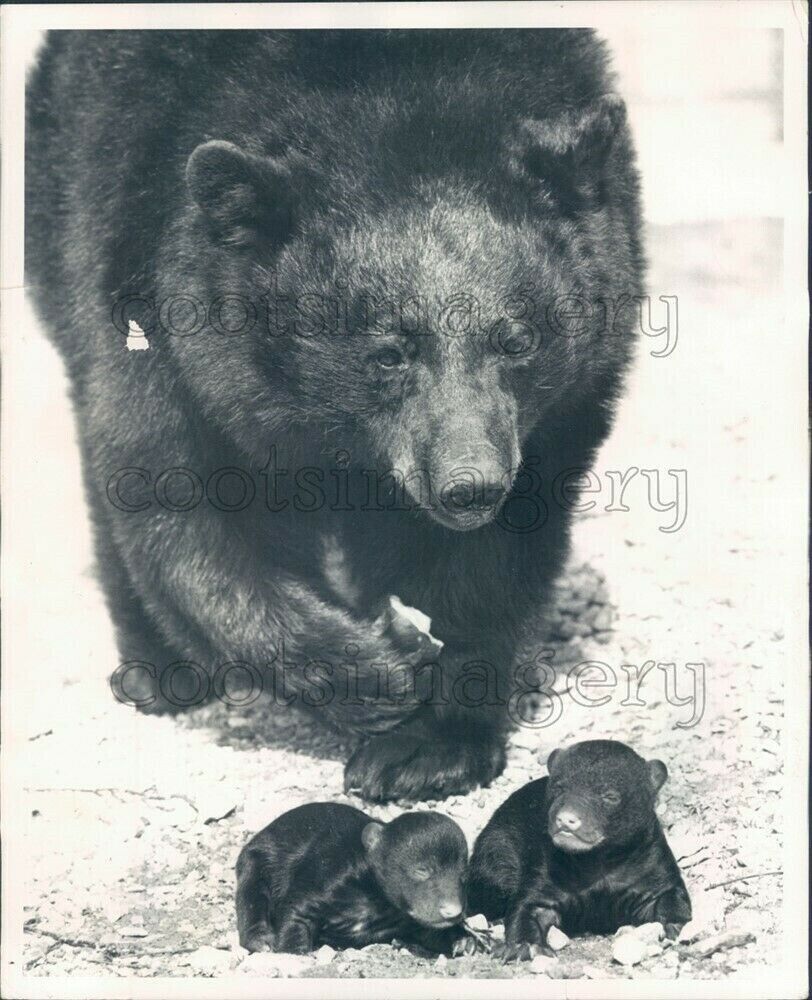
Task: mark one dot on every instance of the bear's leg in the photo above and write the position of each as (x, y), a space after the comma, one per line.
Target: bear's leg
(440, 751)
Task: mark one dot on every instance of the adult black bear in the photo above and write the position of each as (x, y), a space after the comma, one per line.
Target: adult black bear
(351, 252)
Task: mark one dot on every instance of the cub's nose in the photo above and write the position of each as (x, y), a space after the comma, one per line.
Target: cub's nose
(567, 820)
(450, 911)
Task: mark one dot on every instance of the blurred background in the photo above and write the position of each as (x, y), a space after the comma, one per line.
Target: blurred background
(708, 116)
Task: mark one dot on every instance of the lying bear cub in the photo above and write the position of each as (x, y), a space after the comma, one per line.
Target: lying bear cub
(326, 873)
(581, 850)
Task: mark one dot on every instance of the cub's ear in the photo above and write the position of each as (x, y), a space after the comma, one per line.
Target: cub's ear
(551, 760)
(246, 199)
(569, 155)
(371, 836)
(658, 773)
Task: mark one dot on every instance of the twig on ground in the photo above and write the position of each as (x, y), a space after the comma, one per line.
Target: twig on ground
(741, 878)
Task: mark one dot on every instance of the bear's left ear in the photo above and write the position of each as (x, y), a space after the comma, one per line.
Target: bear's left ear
(658, 773)
(570, 155)
(246, 199)
(551, 760)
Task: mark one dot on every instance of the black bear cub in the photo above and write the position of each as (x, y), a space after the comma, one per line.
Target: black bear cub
(581, 850)
(326, 873)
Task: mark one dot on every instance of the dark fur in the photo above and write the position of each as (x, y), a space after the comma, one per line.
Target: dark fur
(328, 874)
(399, 162)
(519, 875)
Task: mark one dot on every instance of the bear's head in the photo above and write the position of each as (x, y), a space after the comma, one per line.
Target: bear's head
(441, 323)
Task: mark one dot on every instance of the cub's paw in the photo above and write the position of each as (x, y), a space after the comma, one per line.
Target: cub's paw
(408, 765)
(471, 945)
(260, 940)
(520, 951)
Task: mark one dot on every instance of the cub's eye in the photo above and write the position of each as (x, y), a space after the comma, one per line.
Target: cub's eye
(420, 874)
(389, 358)
(611, 798)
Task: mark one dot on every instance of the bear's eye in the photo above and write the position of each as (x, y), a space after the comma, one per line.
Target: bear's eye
(611, 798)
(389, 357)
(420, 874)
(514, 339)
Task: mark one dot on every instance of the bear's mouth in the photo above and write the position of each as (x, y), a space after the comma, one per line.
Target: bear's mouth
(568, 841)
(463, 520)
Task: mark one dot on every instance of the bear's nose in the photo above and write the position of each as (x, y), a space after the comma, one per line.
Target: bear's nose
(468, 495)
(567, 820)
(450, 910)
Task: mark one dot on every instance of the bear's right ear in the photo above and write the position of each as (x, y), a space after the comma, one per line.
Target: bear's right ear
(569, 156)
(371, 836)
(551, 759)
(245, 199)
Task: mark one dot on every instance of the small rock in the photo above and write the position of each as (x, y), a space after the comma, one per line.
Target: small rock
(208, 961)
(478, 922)
(236, 721)
(542, 964)
(498, 932)
(557, 939)
(629, 950)
(325, 955)
(381, 950)
(650, 933)
(133, 931)
(441, 962)
(721, 942)
(260, 963)
(632, 944)
(269, 963)
(707, 918)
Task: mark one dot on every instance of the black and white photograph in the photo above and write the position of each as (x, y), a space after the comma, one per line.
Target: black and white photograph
(405, 478)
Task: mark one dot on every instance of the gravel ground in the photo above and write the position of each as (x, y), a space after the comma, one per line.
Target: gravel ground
(132, 824)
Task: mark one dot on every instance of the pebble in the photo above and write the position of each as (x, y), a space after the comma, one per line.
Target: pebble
(542, 964)
(557, 939)
(628, 950)
(272, 964)
(721, 942)
(133, 931)
(632, 944)
(208, 961)
(441, 962)
(478, 922)
(325, 955)
(707, 917)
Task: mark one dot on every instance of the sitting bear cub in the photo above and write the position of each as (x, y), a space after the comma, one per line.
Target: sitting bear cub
(581, 850)
(375, 277)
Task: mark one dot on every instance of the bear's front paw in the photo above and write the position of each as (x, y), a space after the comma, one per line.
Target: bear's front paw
(415, 766)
